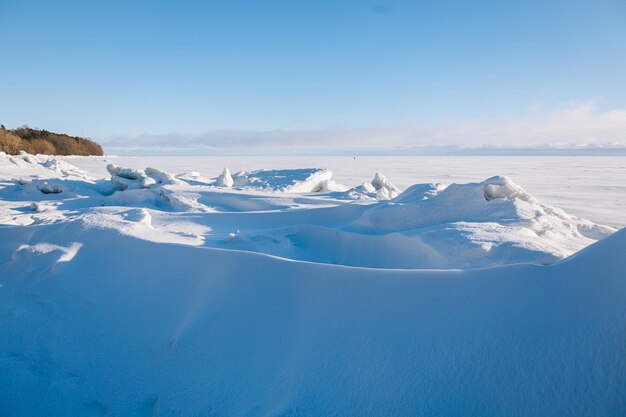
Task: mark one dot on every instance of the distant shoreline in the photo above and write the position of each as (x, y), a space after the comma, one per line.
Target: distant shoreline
(508, 152)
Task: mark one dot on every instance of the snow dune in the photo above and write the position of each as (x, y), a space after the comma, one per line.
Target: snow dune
(303, 214)
(284, 293)
(131, 327)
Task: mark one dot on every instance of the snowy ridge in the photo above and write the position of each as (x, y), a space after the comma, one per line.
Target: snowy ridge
(494, 222)
(479, 223)
(135, 291)
(195, 331)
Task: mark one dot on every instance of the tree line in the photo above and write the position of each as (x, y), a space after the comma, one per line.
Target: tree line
(38, 141)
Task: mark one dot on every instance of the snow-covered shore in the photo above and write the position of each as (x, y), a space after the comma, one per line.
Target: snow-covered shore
(301, 214)
(131, 290)
(589, 187)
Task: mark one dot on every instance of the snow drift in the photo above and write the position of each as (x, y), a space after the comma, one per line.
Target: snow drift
(133, 291)
(299, 214)
(305, 180)
(161, 329)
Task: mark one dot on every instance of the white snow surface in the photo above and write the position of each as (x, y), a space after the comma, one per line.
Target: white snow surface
(132, 290)
(302, 214)
(225, 179)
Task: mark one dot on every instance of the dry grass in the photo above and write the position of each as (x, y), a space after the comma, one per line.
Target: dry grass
(10, 143)
(43, 142)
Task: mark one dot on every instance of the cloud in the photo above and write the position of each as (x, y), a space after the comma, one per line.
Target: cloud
(574, 125)
(578, 124)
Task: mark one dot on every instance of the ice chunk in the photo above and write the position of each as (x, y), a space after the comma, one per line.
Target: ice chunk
(379, 188)
(148, 182)
(161, 177)
(499, 187)
(127, 173)
(225, 179)
(240, 178)
(385, 190)
(130, 178)
(47, 188)
(122, 183)
(31, 159)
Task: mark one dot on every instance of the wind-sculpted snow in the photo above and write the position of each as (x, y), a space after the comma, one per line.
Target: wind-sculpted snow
(286, 180)
(124, 326)
(482, 224)
(65, 168)
(303, 214)
(135, 291)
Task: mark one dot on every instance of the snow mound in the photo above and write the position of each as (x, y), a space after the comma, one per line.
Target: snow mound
(380, 188)
(428, 226)
(65, 168)
(385, 190)
(501, 187)
(493, 222)
(161, 177)
(126, 173)
(183, 202)
(49, 188)
(65, 254)
(128, 326)
(131, 178)
(481, 224)
(418, 192)
(31, 159)
(8, 161)
(305, 180)
(21, 160)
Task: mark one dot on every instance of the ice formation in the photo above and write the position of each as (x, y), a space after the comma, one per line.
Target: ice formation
(282, 293)
(131, 178)
(225, 180)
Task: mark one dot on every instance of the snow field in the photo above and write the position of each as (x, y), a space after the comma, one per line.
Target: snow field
(128, 290)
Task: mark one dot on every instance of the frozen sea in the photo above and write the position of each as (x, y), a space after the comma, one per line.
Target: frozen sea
(591, 187)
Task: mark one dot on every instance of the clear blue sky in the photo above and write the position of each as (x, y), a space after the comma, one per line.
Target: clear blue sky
(122, 68)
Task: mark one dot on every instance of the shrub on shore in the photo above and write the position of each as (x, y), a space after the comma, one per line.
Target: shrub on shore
(36, 141)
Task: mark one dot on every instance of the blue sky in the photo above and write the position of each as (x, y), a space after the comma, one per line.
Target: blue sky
(400, 72)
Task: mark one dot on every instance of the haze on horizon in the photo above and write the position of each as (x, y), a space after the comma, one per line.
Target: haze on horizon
(373, 76)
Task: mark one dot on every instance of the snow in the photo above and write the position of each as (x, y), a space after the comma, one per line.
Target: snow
(131, 178)
(588, 187)
(278, 291)
(481, 224)
(66, 253)
(172, 329)
(225, 179)
(47, 188)
(385, 190)
(306, 180)
(65, 168)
